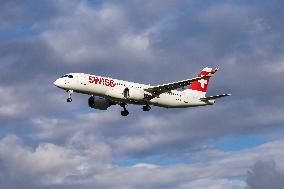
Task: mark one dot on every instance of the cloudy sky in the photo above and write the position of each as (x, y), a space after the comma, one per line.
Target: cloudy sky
(236, 144)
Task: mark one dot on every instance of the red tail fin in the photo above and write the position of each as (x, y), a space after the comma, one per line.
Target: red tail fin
(201, 85)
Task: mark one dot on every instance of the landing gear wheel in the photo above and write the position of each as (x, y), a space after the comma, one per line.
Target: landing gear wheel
(69, 99)
(124, 113)
(146, 108)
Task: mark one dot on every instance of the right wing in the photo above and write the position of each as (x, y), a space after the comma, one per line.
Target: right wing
(159, 89)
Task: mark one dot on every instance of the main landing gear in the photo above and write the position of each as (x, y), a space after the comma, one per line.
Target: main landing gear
(124, 112)
(146, 108)
(69, 99)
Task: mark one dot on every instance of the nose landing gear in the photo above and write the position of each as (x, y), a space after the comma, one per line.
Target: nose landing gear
(146, 108)
(69, 99)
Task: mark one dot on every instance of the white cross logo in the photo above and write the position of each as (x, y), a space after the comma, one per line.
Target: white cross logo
(202, 82)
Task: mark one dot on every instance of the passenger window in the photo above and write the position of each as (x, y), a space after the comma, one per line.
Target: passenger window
(70, 76)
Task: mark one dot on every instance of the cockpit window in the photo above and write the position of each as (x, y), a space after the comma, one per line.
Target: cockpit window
(70, 76)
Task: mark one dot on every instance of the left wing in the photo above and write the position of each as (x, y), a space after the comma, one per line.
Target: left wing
(214, 97)
(159, 89)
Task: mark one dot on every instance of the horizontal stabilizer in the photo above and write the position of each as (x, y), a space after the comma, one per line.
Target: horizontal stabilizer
(214, 97)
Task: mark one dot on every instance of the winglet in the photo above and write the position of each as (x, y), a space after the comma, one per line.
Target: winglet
(215, 70)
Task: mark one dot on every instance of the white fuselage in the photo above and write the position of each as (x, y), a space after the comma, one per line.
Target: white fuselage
(112, 89)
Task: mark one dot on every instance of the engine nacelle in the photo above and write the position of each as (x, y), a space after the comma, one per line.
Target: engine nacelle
(99, 103)
(133, 94)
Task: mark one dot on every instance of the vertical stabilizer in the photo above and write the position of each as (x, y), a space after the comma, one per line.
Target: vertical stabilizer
(199, 88)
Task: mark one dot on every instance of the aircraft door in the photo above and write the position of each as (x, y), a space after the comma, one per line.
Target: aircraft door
(126, 93)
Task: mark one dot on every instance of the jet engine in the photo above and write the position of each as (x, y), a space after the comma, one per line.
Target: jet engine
(99, 103)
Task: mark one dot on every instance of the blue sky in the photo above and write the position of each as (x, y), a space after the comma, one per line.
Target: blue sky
(241, 142)
(235, 144)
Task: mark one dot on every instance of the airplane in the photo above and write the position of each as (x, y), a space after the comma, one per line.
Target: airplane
(106, 91)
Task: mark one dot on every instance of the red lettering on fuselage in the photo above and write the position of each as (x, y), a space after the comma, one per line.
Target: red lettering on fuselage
(101, 81)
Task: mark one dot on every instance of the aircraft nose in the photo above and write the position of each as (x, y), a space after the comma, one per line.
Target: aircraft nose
(56, 83)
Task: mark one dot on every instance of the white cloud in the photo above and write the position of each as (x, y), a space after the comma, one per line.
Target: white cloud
(68, 149)
(11, 105)
(11, 110)
(47, 164)
(214, 184)
(53, 128)
(93, 34)
(277, 67)
(265, 174)
(135, 43)
(81, 162)
(145, 165)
